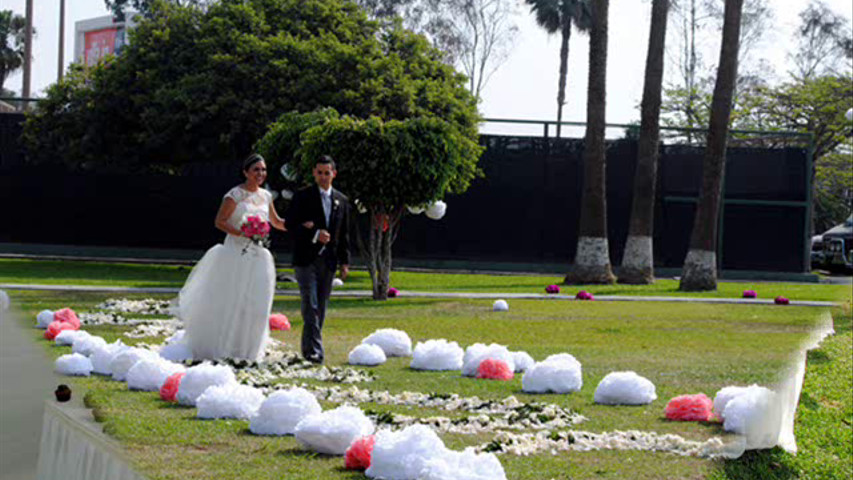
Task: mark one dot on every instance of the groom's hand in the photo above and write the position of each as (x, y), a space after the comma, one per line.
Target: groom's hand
(344, 272)
(323, 236)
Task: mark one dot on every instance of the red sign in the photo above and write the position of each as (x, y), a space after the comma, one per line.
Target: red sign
(99, 43)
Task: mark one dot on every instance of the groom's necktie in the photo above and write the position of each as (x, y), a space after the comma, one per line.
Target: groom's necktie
(327, 205)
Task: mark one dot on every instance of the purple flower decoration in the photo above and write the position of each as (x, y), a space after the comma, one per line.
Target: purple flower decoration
(552, 289)
(392, 292)
(749, 294)
(584, 295)
(780, 300)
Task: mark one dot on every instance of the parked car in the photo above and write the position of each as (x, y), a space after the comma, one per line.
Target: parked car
(838, 246)
(817, 251)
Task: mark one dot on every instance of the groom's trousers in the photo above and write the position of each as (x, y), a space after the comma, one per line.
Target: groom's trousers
(315, 285)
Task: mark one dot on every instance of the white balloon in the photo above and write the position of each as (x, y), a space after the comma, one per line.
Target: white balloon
(288, 172)
(437, 210)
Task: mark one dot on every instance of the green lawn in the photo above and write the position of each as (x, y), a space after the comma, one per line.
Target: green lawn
(682, 348)
(134, 275)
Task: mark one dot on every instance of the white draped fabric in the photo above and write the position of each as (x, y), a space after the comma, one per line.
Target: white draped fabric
(74, 449)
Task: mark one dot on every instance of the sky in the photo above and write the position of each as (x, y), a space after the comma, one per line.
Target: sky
(523, 88)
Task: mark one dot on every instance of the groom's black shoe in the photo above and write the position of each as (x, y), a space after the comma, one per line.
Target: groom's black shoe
(314, 359)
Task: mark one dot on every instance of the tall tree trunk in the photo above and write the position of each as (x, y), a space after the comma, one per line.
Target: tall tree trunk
(564, 68)
(384, 228)
(700, 266)
(638, 259)
(592, 259)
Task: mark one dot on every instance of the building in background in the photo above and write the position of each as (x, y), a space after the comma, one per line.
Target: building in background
(98, 37)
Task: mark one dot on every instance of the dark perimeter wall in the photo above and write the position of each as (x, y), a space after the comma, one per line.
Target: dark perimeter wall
(526, 208)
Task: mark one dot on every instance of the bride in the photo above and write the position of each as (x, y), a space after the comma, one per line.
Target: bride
(225, 303)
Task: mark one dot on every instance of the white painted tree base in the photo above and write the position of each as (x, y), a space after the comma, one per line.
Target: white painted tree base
(637, 261)
(700, 271)
(592, 262)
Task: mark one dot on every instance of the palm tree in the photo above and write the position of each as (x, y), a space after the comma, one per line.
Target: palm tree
(557, 16)
(700, 266)
(592, 260)
(12, 32)
(638, 259)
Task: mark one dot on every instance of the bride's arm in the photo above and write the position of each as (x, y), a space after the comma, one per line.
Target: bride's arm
(275, 220)
(225, 210)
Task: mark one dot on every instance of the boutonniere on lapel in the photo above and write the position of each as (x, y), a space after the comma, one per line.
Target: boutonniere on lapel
(335, 203)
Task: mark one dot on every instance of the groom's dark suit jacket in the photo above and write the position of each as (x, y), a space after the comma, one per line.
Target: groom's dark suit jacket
(307, 206)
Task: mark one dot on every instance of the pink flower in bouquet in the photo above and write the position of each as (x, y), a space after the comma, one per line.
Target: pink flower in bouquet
(257, 230)
(584, 295)
(494, 369)
(279, 321)
(393, 292)
(66, 315)
(55, 327)
(552, 289)
(358, 453)
(780, 300)
(696, 408)
(169, 390)
(749, 294)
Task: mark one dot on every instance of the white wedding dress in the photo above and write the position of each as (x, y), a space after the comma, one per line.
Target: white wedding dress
(225, 303)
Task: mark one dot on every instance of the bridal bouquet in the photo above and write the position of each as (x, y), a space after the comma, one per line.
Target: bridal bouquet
(257, 230)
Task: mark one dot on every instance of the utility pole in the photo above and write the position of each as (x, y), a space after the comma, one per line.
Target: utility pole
(28, 53)
(61, 61)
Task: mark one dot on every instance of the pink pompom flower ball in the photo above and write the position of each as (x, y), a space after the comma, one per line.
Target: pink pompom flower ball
(358, 454)
(55, 327)
(279, 321)
(690, 408)
(749, 294)
(169, 390)
(584, 295)
(552, 289)
(393, 292)
(494, 369)
(780, 300)
(66, 315)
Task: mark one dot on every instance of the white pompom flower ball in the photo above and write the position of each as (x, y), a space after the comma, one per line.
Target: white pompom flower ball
(337, 282)
(559, 373)
(282, 411)
(333, 431)
(44, 318)
(522, 360)
(149, 374)
(437, 355)
(68, 337)
(500, 305)
(199, 378)
(395, 343)
(437, 210)
(87, 345)
(477, 353)
(73, 364)
(367, 354)
(625, 388)
(230, 400)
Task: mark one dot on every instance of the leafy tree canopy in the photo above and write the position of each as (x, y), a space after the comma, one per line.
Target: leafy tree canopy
(202, 84)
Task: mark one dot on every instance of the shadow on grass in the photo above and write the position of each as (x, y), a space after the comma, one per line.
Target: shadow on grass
(303, 453)
(816, 357)
(760, 464)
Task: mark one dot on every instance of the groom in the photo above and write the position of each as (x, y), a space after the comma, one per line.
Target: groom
(321, 243)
